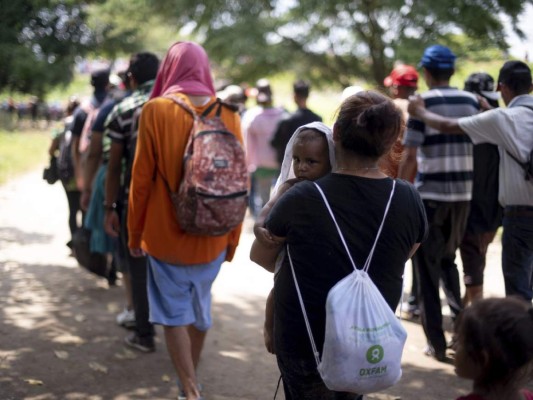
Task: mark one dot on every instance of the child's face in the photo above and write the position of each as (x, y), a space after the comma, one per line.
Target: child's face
(310, 159)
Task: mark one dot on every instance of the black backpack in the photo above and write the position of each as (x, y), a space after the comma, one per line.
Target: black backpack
(527, 166)
(65, 166)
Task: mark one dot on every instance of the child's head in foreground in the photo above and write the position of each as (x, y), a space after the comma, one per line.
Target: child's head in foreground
(495, 343)
(310, 154)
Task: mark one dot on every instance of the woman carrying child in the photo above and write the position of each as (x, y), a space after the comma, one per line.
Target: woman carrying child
(367, 126)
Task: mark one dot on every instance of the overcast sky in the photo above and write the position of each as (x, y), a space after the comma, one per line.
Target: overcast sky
(519, 48)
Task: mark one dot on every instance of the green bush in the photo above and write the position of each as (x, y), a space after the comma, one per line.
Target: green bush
(21, 152)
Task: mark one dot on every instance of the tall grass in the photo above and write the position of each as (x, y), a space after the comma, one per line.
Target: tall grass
(22, 151)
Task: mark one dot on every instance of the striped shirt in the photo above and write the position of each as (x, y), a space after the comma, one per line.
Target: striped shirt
(445, 161)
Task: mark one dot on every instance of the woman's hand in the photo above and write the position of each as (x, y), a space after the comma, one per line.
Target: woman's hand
(416, 105)
(264, 237)
(137, 252)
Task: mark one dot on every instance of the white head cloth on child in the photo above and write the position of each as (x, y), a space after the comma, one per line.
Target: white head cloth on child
(286, 167)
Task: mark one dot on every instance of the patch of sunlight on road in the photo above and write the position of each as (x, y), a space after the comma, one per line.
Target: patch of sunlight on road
(238, 355)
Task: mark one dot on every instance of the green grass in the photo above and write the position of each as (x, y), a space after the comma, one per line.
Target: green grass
(22, 151)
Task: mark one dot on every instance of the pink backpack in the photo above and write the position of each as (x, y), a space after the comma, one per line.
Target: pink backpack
(213, 193)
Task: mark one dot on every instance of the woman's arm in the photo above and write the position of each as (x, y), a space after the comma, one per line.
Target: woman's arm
(265, 256)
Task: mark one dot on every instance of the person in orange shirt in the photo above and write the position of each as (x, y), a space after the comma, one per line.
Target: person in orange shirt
(181, 267)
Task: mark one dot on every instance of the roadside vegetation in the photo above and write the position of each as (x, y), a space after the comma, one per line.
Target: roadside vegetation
(22, 151)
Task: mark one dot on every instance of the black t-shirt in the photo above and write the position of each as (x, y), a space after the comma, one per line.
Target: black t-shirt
(319, 257)
(288, 126)
(485, 210)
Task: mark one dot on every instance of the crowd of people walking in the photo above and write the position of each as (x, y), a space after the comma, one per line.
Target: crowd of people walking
(448, 167)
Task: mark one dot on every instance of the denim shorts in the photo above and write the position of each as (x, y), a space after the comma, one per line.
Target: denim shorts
(180, 295)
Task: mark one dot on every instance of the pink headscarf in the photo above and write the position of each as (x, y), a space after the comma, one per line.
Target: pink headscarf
(185, 69)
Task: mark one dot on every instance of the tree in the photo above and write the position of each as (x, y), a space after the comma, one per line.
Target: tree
(39, 40)
(333, 41)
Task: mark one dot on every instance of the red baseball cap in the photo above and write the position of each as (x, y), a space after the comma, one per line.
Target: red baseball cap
(402, 75)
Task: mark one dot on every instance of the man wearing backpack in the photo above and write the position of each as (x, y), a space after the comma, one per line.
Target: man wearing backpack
(84, 117)
(511, 129)
(121, 129)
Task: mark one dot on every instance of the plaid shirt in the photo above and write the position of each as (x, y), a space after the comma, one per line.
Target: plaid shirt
(118, 124)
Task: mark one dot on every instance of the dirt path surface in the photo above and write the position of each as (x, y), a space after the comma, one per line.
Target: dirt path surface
(59, 339)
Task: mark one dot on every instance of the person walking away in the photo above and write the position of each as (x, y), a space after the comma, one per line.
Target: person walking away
(402, 83)
(366, 128)
(444, 180)
(261, 156)
(181, 266)
(83, 120)
(288, 125)
(121, 128)
(510, 129)
(486, 214)
(61, 145)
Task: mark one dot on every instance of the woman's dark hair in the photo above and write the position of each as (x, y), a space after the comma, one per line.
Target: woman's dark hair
(498, 333)
(368, 124)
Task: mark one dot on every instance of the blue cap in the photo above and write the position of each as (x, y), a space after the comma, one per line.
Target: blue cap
(438, 57)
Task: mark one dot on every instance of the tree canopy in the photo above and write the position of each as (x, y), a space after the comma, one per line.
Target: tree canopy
(39, 40)
(335, 41)
(328, 42)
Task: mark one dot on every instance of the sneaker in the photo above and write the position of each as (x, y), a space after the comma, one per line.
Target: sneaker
(183, 396)
(126, 318)
(438, 355)
(146, 344)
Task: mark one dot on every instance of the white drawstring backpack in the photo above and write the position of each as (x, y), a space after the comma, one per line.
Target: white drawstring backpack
(364, 340)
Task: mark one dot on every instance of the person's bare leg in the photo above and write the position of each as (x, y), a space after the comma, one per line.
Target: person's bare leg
(473, 293)
(179, 346)
(197, 339)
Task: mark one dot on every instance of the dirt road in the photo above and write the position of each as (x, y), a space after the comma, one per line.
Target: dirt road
(59, 340)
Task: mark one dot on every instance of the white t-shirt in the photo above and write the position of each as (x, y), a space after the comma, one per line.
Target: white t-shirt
(512, 130)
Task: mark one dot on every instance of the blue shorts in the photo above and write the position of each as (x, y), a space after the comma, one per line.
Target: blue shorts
(180, 295)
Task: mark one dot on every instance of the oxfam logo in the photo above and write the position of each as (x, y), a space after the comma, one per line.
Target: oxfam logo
(374, 354)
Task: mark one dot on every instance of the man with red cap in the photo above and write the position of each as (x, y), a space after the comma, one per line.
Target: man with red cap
(402, 83)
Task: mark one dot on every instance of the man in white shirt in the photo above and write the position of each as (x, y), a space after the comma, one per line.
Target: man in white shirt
(511, 129)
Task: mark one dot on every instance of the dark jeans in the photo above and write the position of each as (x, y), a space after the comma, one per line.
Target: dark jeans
(137, 267)
(301, 381)
(73, 198)
(517, 254)
(434, 261)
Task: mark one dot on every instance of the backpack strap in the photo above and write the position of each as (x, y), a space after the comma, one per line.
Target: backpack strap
(300, 298)
(528, 165)
(365, 268)
(369, 258)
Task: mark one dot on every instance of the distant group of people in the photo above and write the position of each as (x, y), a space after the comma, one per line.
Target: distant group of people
(95, 155)
(442, 164)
